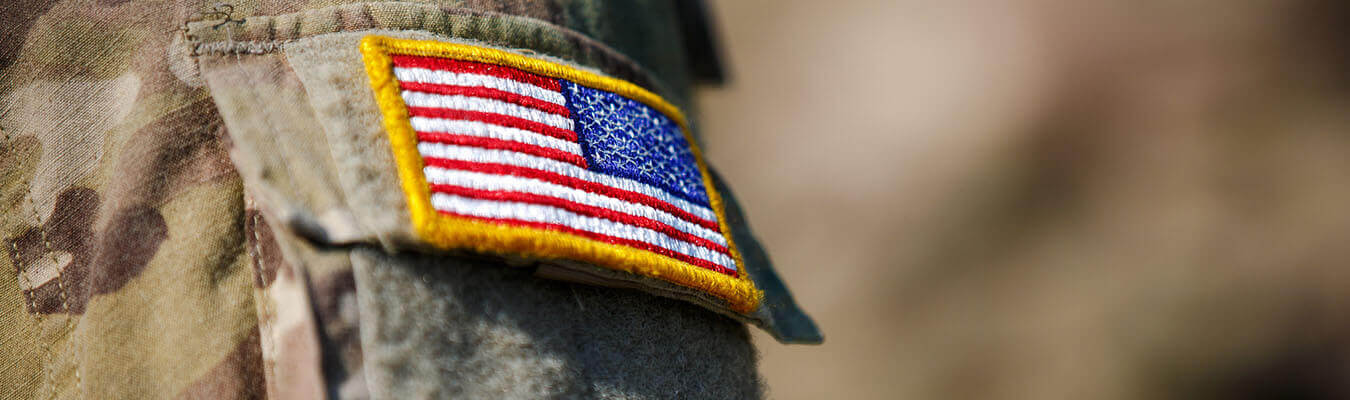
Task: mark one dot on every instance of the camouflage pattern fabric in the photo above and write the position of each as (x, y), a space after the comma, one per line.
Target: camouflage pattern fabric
(159, 247)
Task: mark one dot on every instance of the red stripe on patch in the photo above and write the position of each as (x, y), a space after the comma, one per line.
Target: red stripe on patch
(633, 197)
(489, 93)
(444, 64)
(498, 144)
(582, 209)
(604, 238)
(495, 119)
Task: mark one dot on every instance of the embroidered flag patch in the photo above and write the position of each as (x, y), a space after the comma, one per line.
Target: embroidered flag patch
(508, 154)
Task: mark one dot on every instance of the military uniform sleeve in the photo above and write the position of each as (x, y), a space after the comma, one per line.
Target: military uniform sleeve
(208, 204)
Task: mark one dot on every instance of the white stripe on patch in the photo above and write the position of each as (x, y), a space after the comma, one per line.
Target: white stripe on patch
(424, 75)
(494, 182)
(493, 131)
(480, 104)
(553, 215)
(474, 154)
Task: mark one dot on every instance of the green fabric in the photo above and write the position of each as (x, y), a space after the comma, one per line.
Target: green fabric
(446, 327)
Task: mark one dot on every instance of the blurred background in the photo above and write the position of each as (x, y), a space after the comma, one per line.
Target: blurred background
(1035, 199)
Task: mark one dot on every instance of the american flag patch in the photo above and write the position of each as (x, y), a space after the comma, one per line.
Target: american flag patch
(503, 153)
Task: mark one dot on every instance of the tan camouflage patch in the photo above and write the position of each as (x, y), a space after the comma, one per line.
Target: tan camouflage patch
(18, 156)
(20, 15)
(176, 149)
(182, 313)
(238, 376)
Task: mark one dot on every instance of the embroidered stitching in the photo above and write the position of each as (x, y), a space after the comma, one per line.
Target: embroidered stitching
(623, 137)
(32, 305)
(555, 162)
(464, 79)
(32, 300)
(481, 105)
(65, 305)
(263, 299)
(481, 129)
(506, 183)
(450, 156)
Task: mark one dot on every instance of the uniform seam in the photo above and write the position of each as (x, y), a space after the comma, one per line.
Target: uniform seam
(32, 305)
(65, 303)
(32, 301)
(263, 302)
(580, 40)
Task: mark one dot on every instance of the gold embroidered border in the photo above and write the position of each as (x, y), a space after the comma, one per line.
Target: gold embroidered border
(464, 233)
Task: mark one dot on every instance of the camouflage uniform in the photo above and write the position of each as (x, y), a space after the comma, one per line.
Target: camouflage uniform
(177, 225)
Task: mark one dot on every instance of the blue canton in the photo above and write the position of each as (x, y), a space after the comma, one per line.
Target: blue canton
(622, 137)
